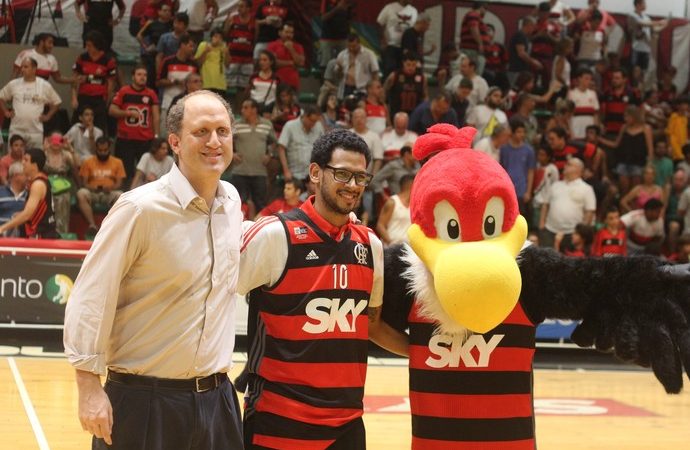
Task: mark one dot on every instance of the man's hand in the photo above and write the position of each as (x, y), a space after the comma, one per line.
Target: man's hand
(95, 411)
(9, 114)
(287, 174)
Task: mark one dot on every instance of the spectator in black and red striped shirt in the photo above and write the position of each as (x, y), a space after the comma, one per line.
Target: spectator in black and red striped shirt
(496, 62)
(474, 35)
(95, 70)
(240, 29)
(615, 100)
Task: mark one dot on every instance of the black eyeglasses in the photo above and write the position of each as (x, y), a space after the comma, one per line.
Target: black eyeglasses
(344, 176)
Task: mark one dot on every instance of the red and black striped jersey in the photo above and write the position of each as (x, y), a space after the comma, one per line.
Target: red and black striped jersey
(96, 74)
(474, 393)
(406, 92)
(308, 353)
(241, 40)
(577, 149)
(496, 57)
(42, 221)
(613, 106)
(130, 99)
(543, 43)
(473, 19)
(609, 244)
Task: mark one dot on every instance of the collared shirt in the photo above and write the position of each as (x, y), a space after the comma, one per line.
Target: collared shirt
(10, 203)
(155, 293)
(265, 252)
(298, 144)
(357, 70)
(252, 143)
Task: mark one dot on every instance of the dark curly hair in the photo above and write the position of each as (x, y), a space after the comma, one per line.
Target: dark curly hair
(338, 138)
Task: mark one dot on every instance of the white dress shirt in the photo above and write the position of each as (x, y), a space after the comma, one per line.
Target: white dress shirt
(155, 295)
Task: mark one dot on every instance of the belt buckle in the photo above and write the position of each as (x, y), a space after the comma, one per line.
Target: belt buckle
(200, 389)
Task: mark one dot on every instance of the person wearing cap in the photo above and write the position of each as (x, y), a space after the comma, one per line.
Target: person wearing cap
(101, 177)
(153, 304)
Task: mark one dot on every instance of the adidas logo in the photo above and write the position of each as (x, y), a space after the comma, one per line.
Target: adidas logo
(312, 255)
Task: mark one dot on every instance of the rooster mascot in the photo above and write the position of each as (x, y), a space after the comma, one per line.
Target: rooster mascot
(471, 295)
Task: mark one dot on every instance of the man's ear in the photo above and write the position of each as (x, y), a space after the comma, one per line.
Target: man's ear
(174, 142)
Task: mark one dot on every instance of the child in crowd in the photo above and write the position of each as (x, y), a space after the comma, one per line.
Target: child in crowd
(611, 240)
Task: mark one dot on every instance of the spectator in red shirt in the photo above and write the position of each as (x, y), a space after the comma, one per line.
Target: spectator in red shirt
(270, 16)
(137, 112)
(289, 55)
(240, 30)
(290, 200)
(611, 240)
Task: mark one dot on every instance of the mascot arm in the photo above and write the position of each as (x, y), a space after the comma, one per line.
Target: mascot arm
(637, 308)
(397, 299)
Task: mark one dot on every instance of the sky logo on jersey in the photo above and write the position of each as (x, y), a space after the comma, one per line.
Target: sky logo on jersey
(450, 350)
(329, 314)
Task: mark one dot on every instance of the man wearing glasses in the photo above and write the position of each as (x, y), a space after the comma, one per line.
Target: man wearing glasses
(317, 276)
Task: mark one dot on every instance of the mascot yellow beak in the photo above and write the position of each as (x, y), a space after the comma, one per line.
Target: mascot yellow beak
(478, 283)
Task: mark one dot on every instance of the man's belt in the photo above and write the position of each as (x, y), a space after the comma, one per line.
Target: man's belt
(199, 384)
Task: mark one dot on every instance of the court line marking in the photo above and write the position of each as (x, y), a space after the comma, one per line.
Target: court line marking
(28, 406)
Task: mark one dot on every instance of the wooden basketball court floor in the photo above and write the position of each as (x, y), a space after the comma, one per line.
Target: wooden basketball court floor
(576, 409)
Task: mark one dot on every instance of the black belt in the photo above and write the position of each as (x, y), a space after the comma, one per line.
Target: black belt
(200, 384)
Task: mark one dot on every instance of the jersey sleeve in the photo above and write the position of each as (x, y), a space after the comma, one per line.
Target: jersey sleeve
(376, 298)
(263, 254)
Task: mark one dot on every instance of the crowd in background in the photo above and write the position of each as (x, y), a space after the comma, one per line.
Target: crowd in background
(595, 146)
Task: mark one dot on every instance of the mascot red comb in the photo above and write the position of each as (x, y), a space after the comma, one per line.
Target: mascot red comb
(471, 297)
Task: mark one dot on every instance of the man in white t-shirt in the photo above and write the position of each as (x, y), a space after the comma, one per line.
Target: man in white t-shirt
(640, 26)
(29, 96)
(571, 201)
(586, 105)
(46, 61)
(645, 228)
(84, 134)
(488, 116)
(480, 88)
(395, 139)
(394, 18)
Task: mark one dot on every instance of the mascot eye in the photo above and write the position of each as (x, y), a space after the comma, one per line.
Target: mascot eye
(493, 218)
(447, 222)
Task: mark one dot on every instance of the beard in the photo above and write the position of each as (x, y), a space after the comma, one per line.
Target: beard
(336, 204)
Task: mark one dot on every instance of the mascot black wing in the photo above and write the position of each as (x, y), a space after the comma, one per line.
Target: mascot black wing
(471, 296)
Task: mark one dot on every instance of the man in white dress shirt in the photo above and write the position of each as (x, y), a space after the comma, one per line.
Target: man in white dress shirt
(153, 304)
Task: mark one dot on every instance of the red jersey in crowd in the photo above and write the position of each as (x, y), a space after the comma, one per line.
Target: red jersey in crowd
(268, 33)
(96, 74)
(287, 74)
(543, 42)
(277, 206)
(473, 20)
(241, 40)
(581, 150)
(127, 99)
(496, 57)
(607, 243)
(613, 105)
